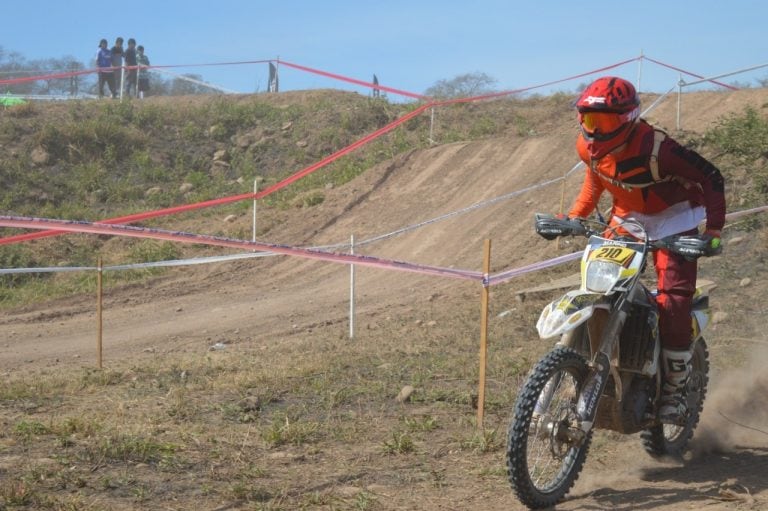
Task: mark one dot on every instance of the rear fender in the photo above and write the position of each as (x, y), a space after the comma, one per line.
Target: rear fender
(701, 314)
(699, 321)
(566, 313)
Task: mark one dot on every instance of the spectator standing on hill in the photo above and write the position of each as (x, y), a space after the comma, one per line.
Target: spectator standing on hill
(106, 74)
(130, 62)
(143, 74)
(117, 63)
(670, 190)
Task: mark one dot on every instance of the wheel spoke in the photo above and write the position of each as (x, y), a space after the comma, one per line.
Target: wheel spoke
(545, 464)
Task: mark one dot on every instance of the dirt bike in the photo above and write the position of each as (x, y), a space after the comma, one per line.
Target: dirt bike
(605, 370)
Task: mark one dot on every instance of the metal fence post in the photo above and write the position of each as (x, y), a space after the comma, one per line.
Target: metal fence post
(255, 190)
(431, 124)
(680, 84)
(99, 322)
(352, 290)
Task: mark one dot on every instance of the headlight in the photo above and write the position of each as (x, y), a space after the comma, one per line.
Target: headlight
(602, 275)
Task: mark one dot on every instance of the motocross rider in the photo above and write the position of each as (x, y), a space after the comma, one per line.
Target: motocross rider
(669, 189)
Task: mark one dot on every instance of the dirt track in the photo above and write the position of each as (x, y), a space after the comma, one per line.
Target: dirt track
(257, 301)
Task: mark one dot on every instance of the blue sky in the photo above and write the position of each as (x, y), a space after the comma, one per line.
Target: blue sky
(409, 44)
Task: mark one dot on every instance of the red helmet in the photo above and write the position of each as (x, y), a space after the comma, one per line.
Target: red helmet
(608, 110)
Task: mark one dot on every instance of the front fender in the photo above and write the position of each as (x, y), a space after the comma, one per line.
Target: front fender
(566, 313)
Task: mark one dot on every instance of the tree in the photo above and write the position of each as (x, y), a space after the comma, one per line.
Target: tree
(13, 65)
(58, 86)
(465, 85)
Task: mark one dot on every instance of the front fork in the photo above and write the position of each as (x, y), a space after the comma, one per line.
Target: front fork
(586, 407)
(591, 390)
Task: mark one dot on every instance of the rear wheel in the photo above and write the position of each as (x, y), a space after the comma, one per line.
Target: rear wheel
(671, 440)
(545, 447)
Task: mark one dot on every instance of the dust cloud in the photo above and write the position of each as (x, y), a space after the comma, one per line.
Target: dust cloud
(599, 477)
(736, 409)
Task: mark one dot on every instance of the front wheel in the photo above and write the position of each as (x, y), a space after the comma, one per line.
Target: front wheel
(671, 440)
(545, 447)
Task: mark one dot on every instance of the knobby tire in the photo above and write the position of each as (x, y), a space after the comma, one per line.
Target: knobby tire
(539, 474)
(669, 440)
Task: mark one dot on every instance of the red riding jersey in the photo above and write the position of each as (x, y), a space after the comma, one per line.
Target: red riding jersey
(649, 175)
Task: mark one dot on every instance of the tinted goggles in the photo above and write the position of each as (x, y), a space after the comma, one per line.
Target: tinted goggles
(602, 122)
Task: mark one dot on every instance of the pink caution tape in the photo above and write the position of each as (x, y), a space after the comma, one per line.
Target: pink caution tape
(689, 73)
(235, 198)
(368, 85)
(186, 237)
(69, 74)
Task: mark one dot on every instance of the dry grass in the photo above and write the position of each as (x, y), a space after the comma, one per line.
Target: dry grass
(287, 429)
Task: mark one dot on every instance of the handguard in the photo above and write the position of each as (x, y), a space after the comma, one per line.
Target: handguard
(691, 247)
(550, 227)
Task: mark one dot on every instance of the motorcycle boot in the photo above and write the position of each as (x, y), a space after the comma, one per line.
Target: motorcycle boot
(676, 366)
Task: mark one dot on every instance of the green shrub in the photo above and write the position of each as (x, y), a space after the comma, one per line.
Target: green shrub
(744, 135)
(741, 140)
(16, 256)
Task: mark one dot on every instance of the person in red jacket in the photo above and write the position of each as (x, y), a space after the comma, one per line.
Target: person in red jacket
(668, 188)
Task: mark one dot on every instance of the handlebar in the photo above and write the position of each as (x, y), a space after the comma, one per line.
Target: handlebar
(689, 246)
(550, 227)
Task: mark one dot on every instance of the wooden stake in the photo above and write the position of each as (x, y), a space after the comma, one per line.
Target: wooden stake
(483, 334)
